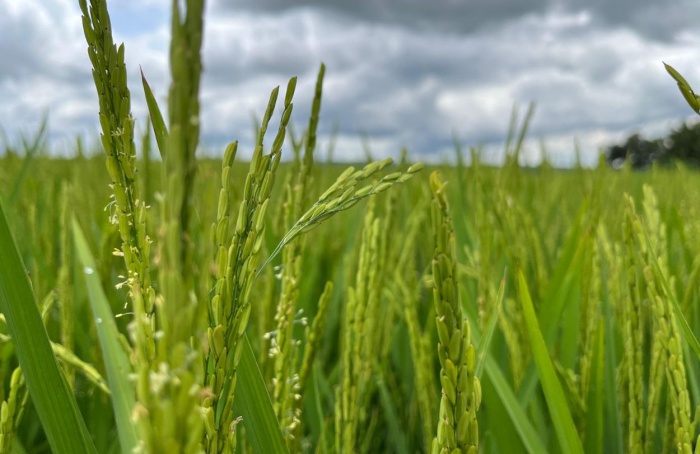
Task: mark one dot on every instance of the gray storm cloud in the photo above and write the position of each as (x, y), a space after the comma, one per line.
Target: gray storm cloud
(399, 72)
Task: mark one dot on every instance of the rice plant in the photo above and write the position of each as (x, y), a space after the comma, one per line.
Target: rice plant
(185, 304)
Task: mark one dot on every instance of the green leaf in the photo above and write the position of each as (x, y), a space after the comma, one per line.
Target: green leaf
(395, 434)
(115, 358)
(30, 152)
(528, 434)
(318, 409)
(18, 447)
(159, 128)
(562, 286)
(676, 75)
(614, 436)
(690, 97)
(596, 392)
(51, 396)
(253, 403)
(553, 392)
(483, 346)
(497, 431)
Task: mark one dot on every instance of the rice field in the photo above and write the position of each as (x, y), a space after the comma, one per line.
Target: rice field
(166, 303)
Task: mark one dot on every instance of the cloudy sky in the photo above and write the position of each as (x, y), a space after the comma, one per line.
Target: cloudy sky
(399, 73)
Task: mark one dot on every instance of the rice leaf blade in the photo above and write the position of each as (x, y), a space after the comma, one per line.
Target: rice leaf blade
(253, 403)
(554, 394)
(55, 405)
(691, 98)
(528, 434)
(613, 424)
(595, 406)
(159, 127)
(321, 427)
(526, 431)
(115, 358)
(561, 287)
(676, 75)
(395, 433)
(485, 342)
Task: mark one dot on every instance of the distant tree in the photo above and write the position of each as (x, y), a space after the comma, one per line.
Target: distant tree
(640, 152)
(682, 144)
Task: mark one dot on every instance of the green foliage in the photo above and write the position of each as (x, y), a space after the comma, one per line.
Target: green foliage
(556, 401)
(115, 358)
(254, 403)
(381, 340)
(591, 252)
(691, 98)
(55, 404)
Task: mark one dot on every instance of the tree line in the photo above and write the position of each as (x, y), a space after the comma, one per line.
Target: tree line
(681, 144)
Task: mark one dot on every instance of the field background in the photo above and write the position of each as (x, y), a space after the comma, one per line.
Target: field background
(184, 305)
(570, 232)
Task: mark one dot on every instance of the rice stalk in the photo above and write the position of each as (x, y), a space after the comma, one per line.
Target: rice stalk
(65, 287)
(632, 332)
(485, 237)
(659, 319)
(11, 412)
(128, 207)
(314, 335)
(591, 313)
(572, 387)
(354, 362)
(286, 387)
(461, 391)
(423, 363)
(406, 295)
(667, 358)
(611, 260)
(128, 212)
(168, 374)
(510, 322)
(237, 260)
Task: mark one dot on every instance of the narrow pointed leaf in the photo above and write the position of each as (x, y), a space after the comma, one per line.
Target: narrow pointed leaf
(676, 75)
(395, 434)
(553, 392)
(562, 285)
(526, 431)
(55, 405)
(685, 88)
(528, 434)
(115, 358)
(159, 128)
(485, 342)
(253, 403)
(596, 393)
